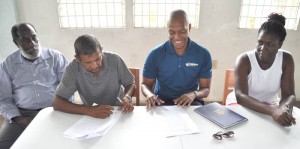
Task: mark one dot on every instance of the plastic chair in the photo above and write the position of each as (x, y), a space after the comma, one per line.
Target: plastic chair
(229, 84)
(136, 94)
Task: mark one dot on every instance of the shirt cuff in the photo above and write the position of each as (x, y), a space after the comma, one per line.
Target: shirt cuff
(9, 116)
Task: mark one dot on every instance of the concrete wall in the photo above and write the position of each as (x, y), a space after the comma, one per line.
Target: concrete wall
(218, 31)
(7, 19)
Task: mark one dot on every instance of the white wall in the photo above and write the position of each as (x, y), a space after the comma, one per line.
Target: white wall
(218, 31)
(7, 20)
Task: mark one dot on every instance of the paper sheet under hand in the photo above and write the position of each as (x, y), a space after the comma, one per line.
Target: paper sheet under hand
(88, 127)
(174, 121)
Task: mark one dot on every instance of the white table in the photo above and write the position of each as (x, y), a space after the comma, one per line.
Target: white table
(260, 131)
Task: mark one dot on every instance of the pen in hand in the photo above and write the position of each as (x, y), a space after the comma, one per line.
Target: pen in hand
(120, 101)
(154, 102)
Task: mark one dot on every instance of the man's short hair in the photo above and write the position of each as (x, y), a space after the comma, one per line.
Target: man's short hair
(15, 30)
(178, 14)
(86, 45)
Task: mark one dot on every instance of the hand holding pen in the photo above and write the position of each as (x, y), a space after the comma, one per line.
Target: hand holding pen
(125, 106)
(152, 101)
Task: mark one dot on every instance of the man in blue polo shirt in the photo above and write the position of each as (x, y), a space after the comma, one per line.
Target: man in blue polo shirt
(179, 68)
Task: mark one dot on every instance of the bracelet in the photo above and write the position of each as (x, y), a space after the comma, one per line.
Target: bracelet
(195, 92)
(147, 97)
(128, 97)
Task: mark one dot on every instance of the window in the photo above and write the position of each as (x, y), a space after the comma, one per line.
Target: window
(91, 13)
(154, 13)
(255, 12)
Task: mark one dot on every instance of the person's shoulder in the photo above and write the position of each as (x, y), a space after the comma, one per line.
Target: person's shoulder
(199, 48)
(10, 59)
(52, 52)
(72, 66)
(111, 55)
(14, 54)
(243, 58)
(73, 63)
(287, 56)
(198, 45)
(244, 54)
(160, 48)
(112, 58)
(9, 64)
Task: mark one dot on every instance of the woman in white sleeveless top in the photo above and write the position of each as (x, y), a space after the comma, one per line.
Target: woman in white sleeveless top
(261, 73)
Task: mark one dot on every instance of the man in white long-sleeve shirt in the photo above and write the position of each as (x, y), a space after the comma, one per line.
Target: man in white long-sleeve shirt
(28, 81)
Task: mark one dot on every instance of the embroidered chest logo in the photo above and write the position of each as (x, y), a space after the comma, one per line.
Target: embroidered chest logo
(219, 112)
(188, 64)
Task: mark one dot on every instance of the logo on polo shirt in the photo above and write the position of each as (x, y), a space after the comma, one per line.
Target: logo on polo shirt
(191, 64)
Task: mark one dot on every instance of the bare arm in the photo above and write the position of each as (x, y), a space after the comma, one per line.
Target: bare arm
(127, 103)
(147, 85)
(129, 90)
(99, 111)
(288, 96)
(204, 88)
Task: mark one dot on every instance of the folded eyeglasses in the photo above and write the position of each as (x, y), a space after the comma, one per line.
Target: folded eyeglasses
(219, 135)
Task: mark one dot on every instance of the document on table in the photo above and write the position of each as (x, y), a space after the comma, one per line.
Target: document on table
(173, 121)
(88, 127)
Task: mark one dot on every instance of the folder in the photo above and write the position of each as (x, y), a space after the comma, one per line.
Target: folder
(220, 115)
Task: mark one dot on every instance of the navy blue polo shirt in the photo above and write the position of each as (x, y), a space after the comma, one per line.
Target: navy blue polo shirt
(176, 75)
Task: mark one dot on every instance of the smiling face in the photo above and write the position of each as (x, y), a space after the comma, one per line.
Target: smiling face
(178, 31)
(267, 47)
(28, 42)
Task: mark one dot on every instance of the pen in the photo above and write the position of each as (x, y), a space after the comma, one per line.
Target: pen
(120, 100)
(156, 96)
(290, 110)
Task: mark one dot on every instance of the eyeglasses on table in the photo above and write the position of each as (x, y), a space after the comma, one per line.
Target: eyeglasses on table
(219, 135)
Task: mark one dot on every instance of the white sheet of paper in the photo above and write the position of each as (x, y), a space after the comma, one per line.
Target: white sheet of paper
(174, 121)
(164, 121)
(88, 127)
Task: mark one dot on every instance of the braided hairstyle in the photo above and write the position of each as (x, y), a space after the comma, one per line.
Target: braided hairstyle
(274, 25)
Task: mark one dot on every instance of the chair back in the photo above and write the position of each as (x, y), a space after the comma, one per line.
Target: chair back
(136, 94)
(229, 84)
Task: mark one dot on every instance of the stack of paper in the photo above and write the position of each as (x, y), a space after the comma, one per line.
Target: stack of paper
(88, 127)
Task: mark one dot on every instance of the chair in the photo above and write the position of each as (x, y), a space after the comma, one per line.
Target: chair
(136, 94)
(229, 84)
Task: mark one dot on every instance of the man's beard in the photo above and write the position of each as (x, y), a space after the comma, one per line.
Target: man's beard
(31, 54)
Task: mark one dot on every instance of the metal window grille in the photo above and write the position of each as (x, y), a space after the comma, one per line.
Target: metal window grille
(91, 13)
(254, 12)
(154, 13)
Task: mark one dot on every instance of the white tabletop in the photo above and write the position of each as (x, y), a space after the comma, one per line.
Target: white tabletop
(260, 131)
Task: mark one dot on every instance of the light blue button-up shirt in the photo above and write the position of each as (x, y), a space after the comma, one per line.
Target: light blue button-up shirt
(29, 85)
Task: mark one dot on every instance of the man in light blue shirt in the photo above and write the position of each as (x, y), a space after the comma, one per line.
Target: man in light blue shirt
(28, 81)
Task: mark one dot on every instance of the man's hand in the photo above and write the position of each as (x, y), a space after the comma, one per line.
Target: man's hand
(100, 111)
(22, 121)
(185, 99)
(283, 116)
(126, 105)
(151, 101)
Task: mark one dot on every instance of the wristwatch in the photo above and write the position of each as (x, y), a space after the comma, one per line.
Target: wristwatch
(128, 97)
(195, 92)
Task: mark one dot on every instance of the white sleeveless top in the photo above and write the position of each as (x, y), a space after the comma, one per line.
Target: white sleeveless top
(264, 85)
